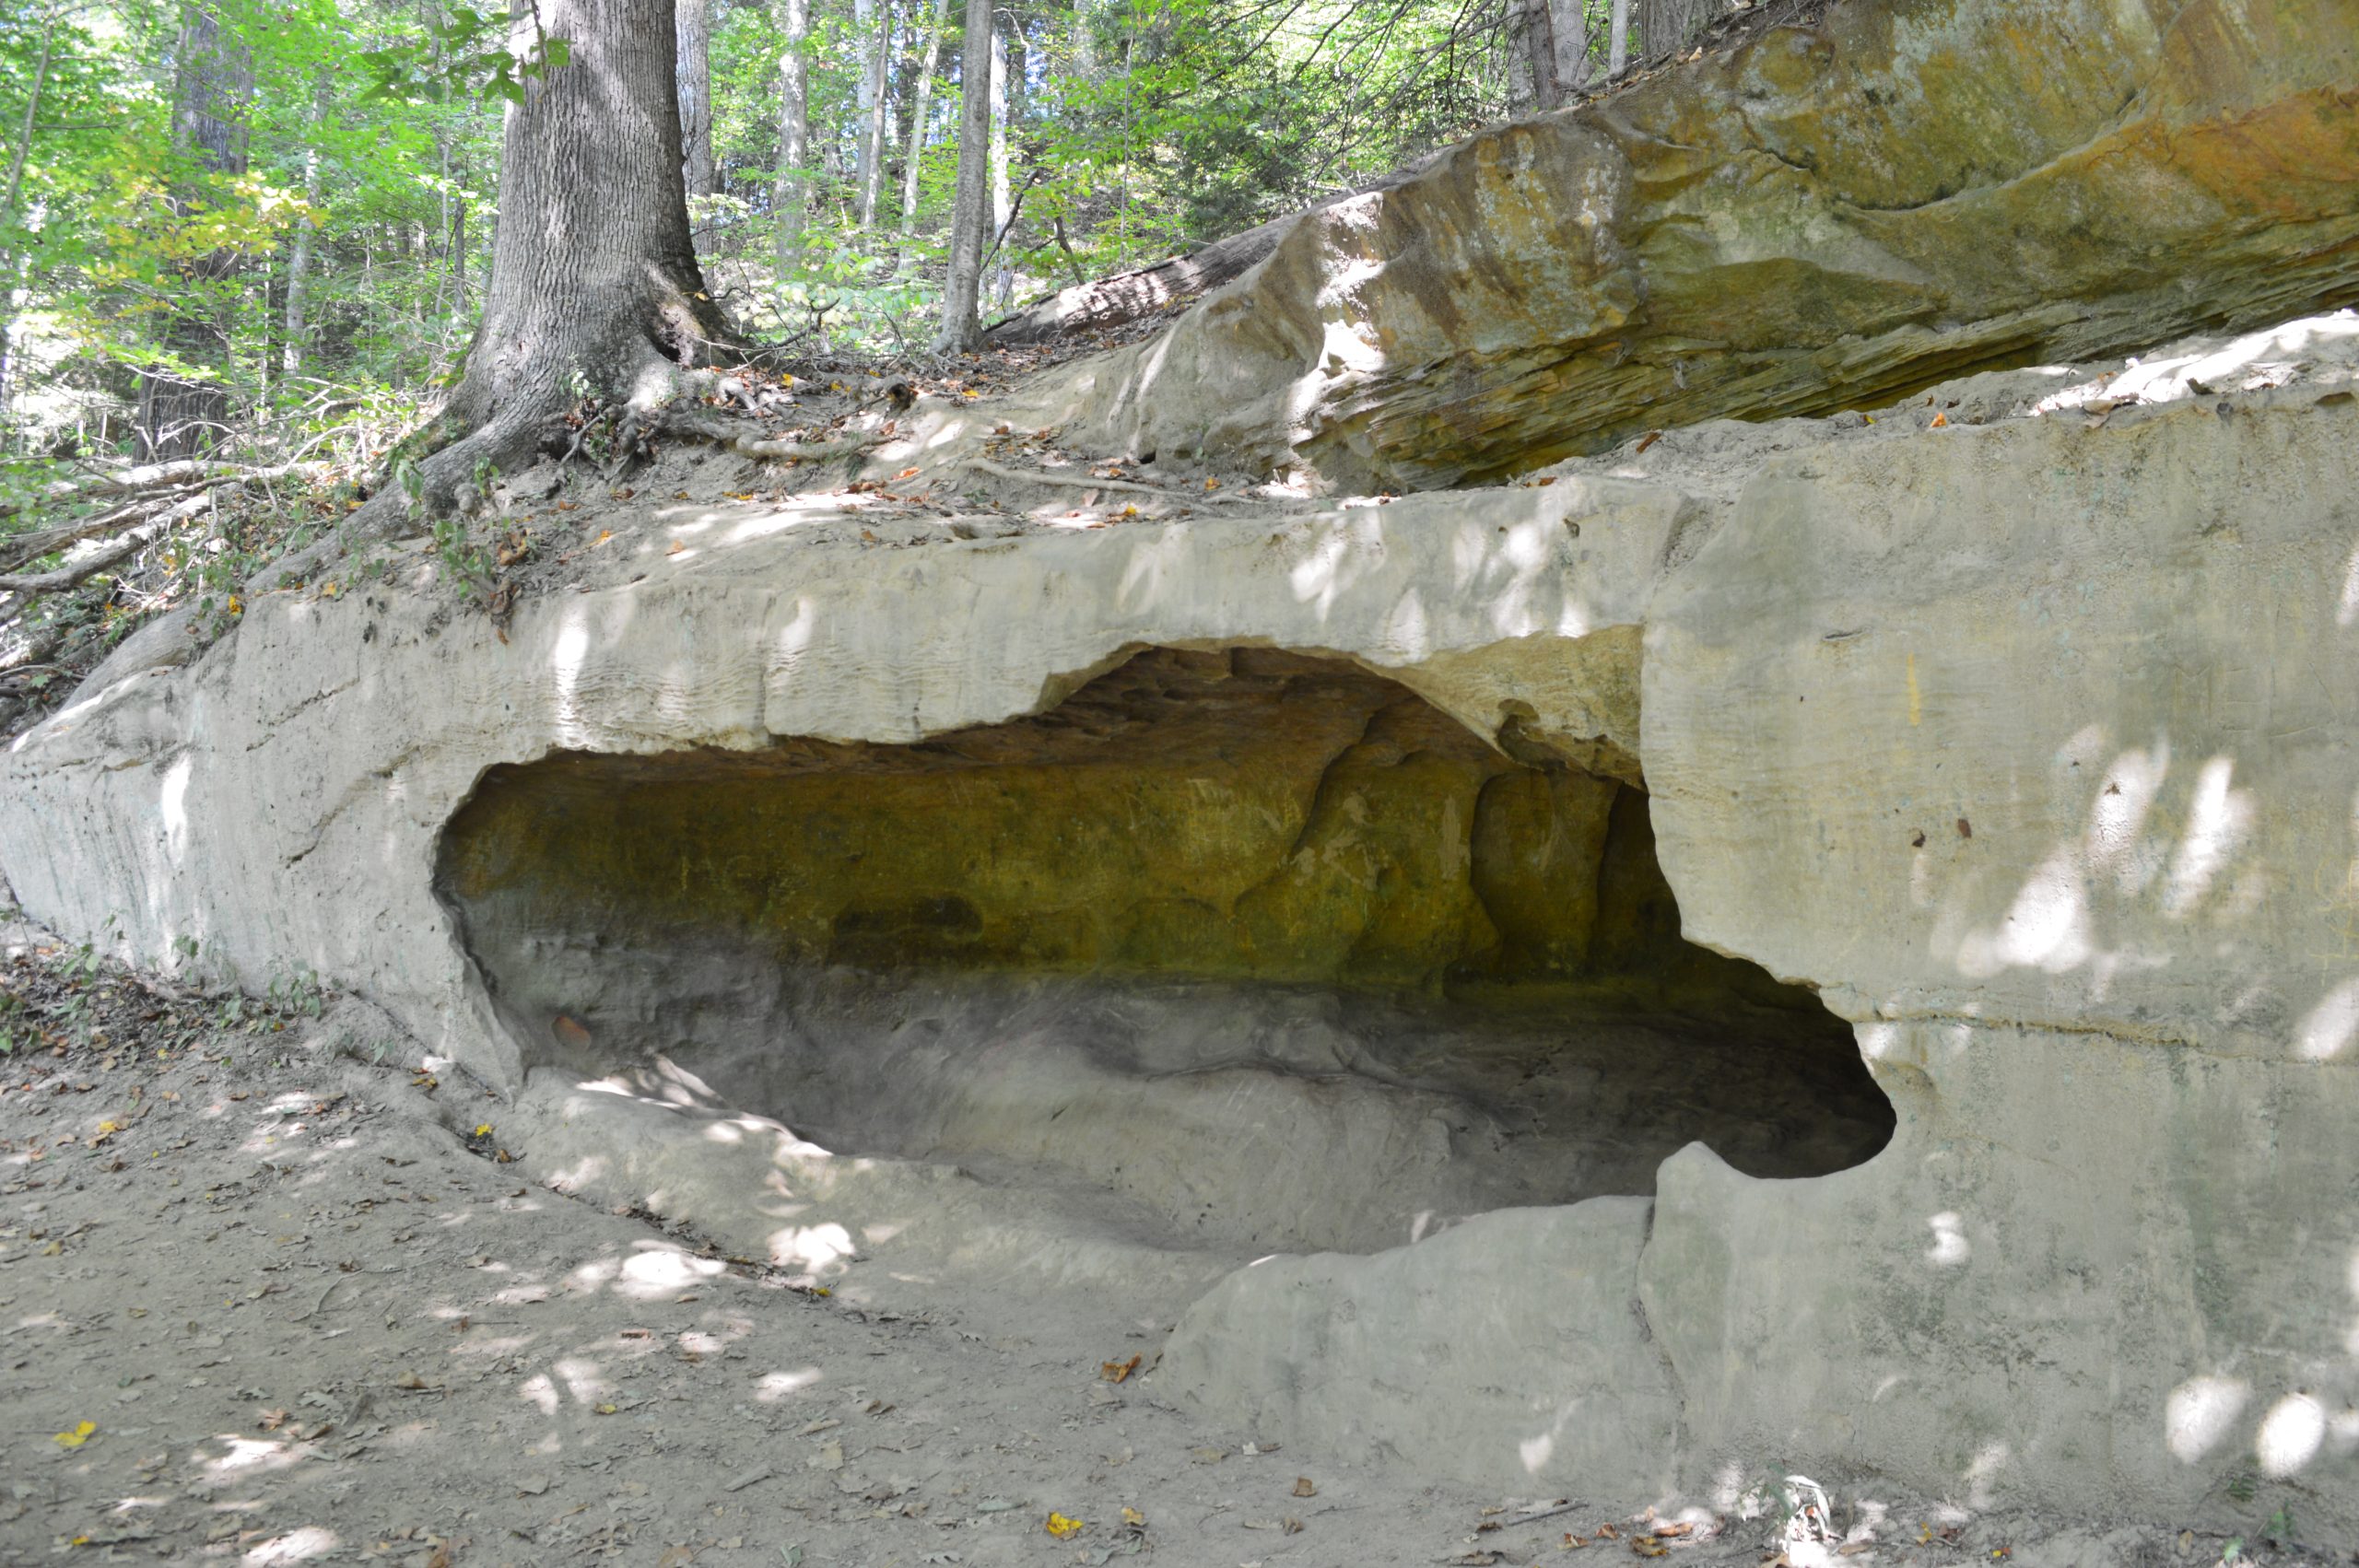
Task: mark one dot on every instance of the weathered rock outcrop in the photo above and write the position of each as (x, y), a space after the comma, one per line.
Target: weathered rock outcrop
(1821, 218)
(2025, 742)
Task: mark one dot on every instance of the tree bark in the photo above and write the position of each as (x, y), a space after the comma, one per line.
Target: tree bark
(787, 197)
(180, 408)
(1619, 50)
(874, 20)
(914, 156)
(1003, 197)
(1666, 26)
(693, 39)
(970, 213)
(9, 268)
(594, 284)
(1540, 43)
(1568, 31)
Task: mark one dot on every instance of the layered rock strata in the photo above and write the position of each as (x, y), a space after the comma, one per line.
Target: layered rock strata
(1823, 217)
(2025, 742)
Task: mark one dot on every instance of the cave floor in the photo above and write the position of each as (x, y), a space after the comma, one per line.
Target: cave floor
(308, 1321)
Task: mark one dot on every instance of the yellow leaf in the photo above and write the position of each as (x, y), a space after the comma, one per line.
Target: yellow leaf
(608, 1409)
(1133, 1518)
(1062, 1527)
(76, 1438)
(483, 1130)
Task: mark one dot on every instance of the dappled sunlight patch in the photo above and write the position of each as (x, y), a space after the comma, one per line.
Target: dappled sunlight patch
(820, 1248)
(539, 1392)
(2201, 1413)
(242, 1454)
(1950, 1246)
(660, 1270)
(305, 1545)
(585, 1382)
(2290, 1435)
(770, 1387)
(2327, 1030)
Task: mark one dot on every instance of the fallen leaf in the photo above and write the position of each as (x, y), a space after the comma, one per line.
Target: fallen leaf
(1118, 1371)
(1939, 420)
(78, 1437)
(676, 548)
(1062, 1527)
(1303, 1487)
(1133, 1518)
(271, 1420)
(1649, 438)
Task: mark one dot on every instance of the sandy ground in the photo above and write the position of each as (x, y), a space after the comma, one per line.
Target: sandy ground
(263, 1304)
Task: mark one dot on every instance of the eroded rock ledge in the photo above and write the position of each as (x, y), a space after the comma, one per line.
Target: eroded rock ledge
(2025, 743)
(1905, 193)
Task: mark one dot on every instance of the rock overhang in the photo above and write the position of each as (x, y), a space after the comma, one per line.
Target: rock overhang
(2110, 1243)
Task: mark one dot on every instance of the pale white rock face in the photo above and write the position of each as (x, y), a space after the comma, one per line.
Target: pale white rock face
(2028, 744)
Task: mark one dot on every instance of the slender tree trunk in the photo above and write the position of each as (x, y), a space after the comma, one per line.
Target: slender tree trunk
(594, 285)
(299, 259)
(970, 213)
(1003, 199)
(787, 197)
(693, 25)
(1084, 39)
(183, 409)
(873, 20)
(1619, 55)
(915, 156)
(10, 269)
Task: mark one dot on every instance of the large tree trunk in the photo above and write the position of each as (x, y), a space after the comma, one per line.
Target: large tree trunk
(182, 408)
(1666, 27)
(595, 285)
(970, 213)
(787, 196)
(693, 39)
(1540, 44)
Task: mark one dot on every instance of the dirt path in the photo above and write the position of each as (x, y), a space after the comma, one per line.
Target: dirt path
(258, 1305)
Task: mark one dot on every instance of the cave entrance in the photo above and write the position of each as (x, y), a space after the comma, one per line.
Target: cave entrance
(1264, 948)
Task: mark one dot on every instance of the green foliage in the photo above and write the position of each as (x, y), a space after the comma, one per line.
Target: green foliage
(467, 52)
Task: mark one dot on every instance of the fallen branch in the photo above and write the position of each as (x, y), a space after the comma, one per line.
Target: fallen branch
(113, 552)
(182, 475)
(28, 547)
